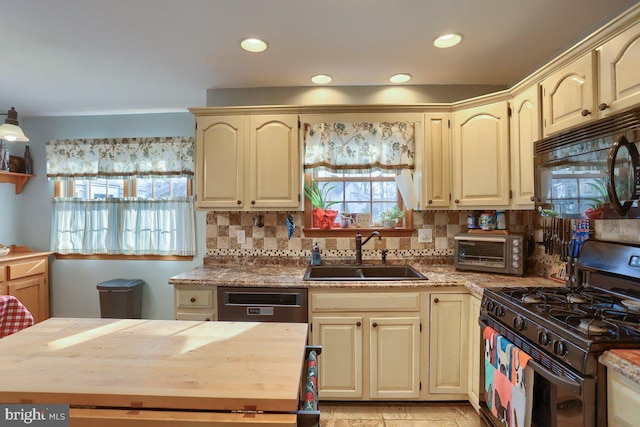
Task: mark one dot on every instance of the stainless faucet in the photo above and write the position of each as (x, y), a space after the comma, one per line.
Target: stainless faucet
(360, 243)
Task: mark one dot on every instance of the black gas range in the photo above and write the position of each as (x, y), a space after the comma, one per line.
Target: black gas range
(565, 329)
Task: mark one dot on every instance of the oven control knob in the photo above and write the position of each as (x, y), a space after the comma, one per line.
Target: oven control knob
(519, 323)
(490, 306)
(559, 348)
(499, 311)
(543, 338)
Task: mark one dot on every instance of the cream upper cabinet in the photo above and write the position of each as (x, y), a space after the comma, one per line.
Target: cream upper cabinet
(436, 161)
(449, 343)
(525, 131)
(274, 171)
(219, 156)
(569, 95)
(248, 162)
(619, 64)
(480, 163)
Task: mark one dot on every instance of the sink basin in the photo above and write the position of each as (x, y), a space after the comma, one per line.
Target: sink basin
(362, 272)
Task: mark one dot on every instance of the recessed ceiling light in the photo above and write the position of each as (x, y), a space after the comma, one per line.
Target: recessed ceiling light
(253, 45)
(400, 78)
(447, 40)
(321, 79)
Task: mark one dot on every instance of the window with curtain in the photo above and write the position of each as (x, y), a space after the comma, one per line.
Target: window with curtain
(122, 196)
(359, 161)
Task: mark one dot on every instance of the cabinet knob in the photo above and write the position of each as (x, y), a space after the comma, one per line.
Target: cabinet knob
(585, 112)
(456, 201)
(193, 299)
(239, 202)
(358, 324)
(430, 201)
(436, 300)
(208, 319)
(603, 106)
(374, 324)
(532, 198)
(253, 202)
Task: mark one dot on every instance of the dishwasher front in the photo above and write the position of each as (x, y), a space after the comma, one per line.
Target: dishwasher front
(251, 304)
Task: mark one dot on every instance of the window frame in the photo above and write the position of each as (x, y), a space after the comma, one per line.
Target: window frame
(406, 230)
(65, 188)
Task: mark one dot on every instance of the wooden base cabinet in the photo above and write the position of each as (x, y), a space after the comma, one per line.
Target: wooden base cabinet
(623, 400)
(194, 303)
(25, 275)
(448, 343)
(370, 344)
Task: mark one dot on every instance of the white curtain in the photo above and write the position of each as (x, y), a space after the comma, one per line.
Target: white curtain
(123, 226)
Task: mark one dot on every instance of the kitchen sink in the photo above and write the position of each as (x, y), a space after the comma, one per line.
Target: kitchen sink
(355, 272)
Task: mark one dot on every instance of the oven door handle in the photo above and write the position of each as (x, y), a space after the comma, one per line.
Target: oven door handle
(566, 383)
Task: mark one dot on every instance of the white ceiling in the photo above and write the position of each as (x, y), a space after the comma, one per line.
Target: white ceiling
(71, 57)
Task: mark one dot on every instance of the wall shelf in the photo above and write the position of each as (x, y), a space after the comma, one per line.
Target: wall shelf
(19, 179)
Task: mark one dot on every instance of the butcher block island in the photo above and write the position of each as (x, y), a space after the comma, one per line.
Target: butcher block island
(129, 372)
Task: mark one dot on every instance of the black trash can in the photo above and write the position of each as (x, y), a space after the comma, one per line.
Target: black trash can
(121, 299)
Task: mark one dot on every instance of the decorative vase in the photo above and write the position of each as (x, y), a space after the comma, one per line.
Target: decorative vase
(324, 218)
(28, 161)
(594, 213)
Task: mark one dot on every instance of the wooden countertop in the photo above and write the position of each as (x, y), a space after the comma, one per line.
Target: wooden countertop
(180, 365)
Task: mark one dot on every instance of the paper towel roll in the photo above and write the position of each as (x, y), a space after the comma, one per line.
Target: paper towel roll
(407, 190)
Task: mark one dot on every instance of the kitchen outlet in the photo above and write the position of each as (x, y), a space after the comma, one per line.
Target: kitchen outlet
(425, 235)
(241, 237)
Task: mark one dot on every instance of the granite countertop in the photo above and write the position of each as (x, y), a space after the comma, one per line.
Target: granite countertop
(625, 362)
(291, 277)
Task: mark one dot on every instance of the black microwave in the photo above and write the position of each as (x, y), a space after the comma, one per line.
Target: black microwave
(490, 253)
(592, 171)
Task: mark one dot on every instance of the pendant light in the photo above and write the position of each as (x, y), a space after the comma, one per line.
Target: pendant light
(10, 129)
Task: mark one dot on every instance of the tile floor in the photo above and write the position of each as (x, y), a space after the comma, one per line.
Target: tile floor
(391, 414)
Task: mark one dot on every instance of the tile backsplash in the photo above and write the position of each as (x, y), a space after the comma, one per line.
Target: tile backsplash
(271, 240)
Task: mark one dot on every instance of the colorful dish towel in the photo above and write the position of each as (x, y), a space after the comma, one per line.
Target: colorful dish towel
(13, 316)
(508, 382)
(311, 384)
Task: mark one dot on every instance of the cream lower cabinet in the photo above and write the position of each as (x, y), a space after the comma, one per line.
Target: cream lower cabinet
(247, 162)
(474, 351)
(448, 343)
(194, 303)
(619, 62)
(480, 165)
(623, 400)
(370, 344)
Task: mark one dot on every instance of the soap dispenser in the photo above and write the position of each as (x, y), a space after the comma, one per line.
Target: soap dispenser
(315, 255)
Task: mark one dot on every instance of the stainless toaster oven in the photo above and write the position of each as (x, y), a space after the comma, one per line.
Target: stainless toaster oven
(491, 253)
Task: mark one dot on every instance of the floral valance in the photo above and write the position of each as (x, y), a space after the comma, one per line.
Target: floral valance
(111, 157)
(342, 146)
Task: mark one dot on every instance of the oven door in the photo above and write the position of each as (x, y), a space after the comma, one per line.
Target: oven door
(558, 400)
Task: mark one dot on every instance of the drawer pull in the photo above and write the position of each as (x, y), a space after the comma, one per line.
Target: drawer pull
(193, 299)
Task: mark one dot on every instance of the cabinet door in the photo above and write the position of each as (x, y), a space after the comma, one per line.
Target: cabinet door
(525, 131)
(568, 95)
(481, 156)
(436, 160)
(448, 344)
(30, 292)
(340, 366)
(394, 356)
(219, 156)
(619, 76)
(474, 352)
(623, 397)
(274, 178)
